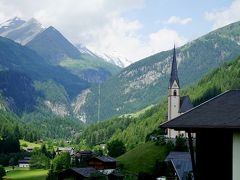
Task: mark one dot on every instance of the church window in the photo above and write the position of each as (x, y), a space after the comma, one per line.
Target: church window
(174, 93)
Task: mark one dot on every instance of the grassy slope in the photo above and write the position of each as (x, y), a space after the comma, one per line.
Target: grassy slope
(87, 62)
(26, 174)
(143, 157)
(29, 144)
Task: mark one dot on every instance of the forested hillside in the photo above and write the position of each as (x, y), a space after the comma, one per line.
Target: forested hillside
(145, 82)
(38, 92)
(135, 130)
(11, 127)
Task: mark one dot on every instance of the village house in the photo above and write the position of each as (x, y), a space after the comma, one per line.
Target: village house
(69, 150)
(24, 163)
(104, 164)
(216, 123)
(28, 149)
(88, 173)
(82, 157)
(80, 173)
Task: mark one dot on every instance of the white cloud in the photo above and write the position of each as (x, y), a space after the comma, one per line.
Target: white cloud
(178, 20)
(119, 37)
(164, 39)
(125, 41)
(98, 24)
(225, 16)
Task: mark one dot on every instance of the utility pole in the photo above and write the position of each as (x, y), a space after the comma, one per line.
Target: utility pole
(99, 100)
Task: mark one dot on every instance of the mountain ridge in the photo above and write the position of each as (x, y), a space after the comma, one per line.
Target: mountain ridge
(145, 82)
(50, 44)
(60, 46)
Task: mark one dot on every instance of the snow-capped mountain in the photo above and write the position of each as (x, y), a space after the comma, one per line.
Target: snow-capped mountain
(19, 30)
(23, 32)
(11, 24)
(115, 59)
(84, 50)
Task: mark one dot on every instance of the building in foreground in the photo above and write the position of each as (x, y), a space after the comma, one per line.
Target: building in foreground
(216, 123)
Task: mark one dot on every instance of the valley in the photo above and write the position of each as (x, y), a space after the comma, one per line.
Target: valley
(67, 98)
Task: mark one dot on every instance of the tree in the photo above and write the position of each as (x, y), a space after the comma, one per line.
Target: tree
(2, 172)
(181, 143)
(17, 132)
(61, 161)
(39, 161)
(116, 148)
(12, 162)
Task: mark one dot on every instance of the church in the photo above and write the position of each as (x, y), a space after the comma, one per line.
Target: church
(177, 105)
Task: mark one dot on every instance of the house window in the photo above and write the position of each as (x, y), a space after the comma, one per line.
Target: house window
(174, 93)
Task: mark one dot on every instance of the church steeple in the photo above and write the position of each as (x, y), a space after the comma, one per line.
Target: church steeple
(173, 94)
(174, 72)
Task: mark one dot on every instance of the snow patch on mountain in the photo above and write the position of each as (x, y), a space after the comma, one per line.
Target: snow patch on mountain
(115, 58)
(84, 50)
(19, 30)
(11, 24)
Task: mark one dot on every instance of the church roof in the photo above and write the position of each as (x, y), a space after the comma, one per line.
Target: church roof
(174, 72)
(220, 112)
(185, 104)
(181, 162)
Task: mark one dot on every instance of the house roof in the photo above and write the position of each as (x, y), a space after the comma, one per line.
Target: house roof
(174, 72)
(65, 149)
(105, 158)
(24, 161)
(181, 162)
(219, 112)
(86, 172)
(27, 158)
(186, 104)
(116, 173)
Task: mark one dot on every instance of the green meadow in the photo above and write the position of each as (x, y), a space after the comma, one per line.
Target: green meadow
(143, 157)
(25, 174)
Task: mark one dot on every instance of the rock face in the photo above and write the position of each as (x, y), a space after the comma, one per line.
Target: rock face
(95, 75)
(58, 109)
(78, 104)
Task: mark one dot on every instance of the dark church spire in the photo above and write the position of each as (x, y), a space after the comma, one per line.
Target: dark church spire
(174, 72)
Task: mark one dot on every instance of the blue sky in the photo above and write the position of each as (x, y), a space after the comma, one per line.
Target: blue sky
(129, 29)
(154, 12)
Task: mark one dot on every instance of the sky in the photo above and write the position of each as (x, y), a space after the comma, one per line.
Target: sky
(131, 29)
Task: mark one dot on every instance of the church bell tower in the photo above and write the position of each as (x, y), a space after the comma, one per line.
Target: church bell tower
(173, 94)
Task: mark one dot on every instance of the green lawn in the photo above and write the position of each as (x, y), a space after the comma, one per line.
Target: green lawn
(29, 144)
(143, 157)
(26, 174)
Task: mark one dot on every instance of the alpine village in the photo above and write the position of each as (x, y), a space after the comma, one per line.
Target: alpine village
(67, 112)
